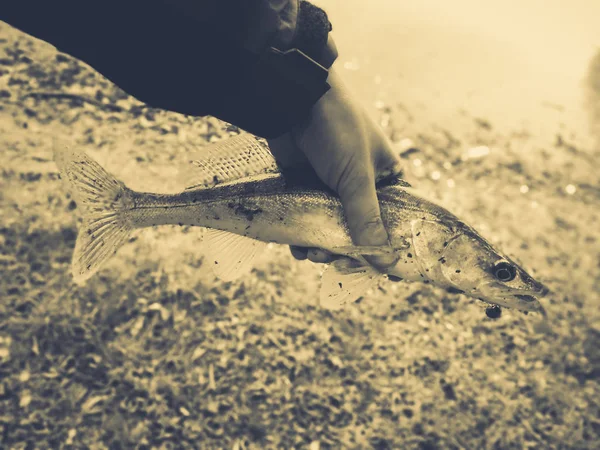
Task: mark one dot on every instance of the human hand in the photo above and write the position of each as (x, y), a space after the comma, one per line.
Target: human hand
(348, 152)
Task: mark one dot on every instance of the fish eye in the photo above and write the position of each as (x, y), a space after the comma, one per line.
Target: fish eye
(504, 271)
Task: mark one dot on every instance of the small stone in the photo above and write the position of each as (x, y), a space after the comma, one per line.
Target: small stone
(493, 312)
(24, 376)
(25, 399)
(570, 189)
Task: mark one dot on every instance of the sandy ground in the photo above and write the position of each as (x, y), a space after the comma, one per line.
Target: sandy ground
(155, 353)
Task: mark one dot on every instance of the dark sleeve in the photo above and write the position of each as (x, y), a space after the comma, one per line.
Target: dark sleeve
(164, 56)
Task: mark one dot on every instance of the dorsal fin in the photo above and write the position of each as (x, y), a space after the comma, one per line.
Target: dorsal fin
(229, 160)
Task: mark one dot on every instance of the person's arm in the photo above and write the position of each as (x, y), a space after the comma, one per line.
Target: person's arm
(196, 57)
(193, 57)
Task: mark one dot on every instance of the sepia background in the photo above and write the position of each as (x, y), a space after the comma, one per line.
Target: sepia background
(495, 110)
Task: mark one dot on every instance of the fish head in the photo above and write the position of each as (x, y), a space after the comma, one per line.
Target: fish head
(455, 256)
(475, 267)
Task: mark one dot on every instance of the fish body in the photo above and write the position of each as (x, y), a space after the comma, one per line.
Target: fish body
(247, 206)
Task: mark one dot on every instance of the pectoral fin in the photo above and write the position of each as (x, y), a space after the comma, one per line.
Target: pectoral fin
(343, 282)
(230, 255)
(429, 240)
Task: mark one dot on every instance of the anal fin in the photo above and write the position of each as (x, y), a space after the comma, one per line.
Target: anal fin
(343, 282)
(230, 255)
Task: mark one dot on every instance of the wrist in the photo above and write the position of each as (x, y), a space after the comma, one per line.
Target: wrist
(321, 111)
(329, 53)
(292, 51)
(290, 83)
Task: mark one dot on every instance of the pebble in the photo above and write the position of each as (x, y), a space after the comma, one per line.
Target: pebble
(352, 64)
(539, 364)
(406, 143)
(24, 376)
(570, 189)
(25, 399)
(477, 152)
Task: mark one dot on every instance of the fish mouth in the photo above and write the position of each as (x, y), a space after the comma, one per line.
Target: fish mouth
(528, 302)
(543, 291)
(526, 298)
(523, 301)
(537, 289)
(520, 302)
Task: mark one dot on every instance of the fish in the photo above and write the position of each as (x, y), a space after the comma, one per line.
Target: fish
(244, 201)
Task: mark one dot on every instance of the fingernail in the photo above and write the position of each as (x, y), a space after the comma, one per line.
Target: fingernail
(319, 256)
(395, 170)
(375, 234)
(382, 262)
(300, 253)
(378, 236)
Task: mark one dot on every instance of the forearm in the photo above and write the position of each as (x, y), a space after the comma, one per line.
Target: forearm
(193, 57)
(126, 39)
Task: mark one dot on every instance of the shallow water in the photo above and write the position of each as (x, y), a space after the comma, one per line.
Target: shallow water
(516, 63)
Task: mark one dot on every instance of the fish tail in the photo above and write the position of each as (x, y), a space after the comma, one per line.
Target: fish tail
(105, 201)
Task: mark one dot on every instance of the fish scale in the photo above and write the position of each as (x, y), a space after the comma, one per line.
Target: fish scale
(281, 218)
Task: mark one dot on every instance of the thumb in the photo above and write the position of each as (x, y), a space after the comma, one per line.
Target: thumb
(359, 200)
(388, 165)
(285, 151)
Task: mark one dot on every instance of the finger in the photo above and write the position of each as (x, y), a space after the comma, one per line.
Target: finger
(318, 255)
(395, 170)
(361, 207)
(315, 255)
(387, 161)
(300, 253)
(285, 151)
(387, 164)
